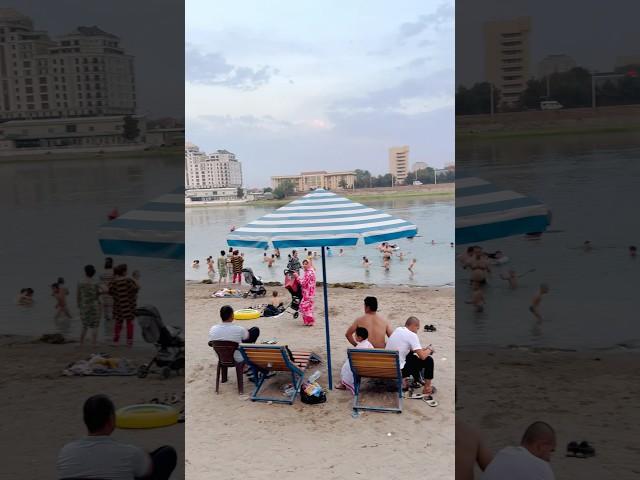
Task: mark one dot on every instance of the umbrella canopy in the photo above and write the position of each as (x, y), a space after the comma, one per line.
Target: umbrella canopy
(154, 230)
(319, 219)
(485, 211)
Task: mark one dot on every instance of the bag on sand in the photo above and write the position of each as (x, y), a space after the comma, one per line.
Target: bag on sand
(312, 394)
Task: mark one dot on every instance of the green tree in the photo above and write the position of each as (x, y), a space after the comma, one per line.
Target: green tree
(240, 192)
(363, 179)
(477, 99)
(283, 190)
(268, 189)
(130, 129)
(343, 184)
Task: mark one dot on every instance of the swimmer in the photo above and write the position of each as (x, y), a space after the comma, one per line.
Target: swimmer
(265, 259)
(329, 252)
(451, 244)
(466, 257)
(433, 242)
(535, 302)
(477, 298)
(60, 293)
(270, 260)
(275, 300)
(632, 251)
(365, 262)
(386, 264)
(401, 255)
(25, 298)
(498, 258)
(512, 277)
(195, 264)
(341, 252)
(586, 246)
(315, 254)
(411, 265)
(277, 252)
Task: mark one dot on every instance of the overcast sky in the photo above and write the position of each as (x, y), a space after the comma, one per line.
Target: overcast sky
(294, 86)
(593, 32)
(151, 30)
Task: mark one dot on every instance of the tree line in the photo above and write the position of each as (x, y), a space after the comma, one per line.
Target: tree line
(572, 89)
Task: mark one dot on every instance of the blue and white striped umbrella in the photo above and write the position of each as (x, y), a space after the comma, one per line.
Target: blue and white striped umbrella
(485, 211)
(319, 219)
(154, 230)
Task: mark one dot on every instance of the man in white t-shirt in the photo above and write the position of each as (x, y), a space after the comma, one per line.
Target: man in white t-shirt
(98, 455)
(231, 332)
(529, 461)
(415, 361)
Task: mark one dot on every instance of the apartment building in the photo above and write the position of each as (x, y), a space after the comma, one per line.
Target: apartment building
(399, 163)
(307, 181)
(211, 170)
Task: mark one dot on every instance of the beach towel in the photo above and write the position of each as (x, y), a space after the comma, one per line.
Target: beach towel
(99, 364)
(227, 293)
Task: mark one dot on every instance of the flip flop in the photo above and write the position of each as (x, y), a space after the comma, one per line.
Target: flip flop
(585, 450)
(430, 401)
(572, 449)
(416, 396)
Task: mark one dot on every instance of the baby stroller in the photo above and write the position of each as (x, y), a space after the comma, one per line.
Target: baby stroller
(292, 284)
(257, 287)
(168, 341)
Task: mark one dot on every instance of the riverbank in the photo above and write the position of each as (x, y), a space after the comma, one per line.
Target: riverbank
(583, 396)
(444, 190)
(326, 437)
(574, 121)
(43, 409)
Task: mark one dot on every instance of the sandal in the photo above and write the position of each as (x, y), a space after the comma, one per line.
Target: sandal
(430, 401)
(572, 449)
(585, 450)
(416, 396)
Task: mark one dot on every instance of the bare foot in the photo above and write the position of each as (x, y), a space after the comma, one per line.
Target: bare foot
(341, 386)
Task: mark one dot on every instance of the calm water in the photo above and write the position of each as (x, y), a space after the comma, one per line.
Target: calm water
(591, 184)
(51, 214)
(207, 227)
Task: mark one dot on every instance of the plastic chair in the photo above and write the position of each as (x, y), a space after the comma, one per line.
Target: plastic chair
(225, 350)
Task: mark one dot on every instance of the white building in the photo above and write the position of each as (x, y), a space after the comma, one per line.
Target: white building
(214, 170)
(82, 73)
(399, 163)
(211, 195)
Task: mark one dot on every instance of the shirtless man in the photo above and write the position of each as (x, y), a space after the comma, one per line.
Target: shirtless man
(535, 303)
(513, 277)
(470, 450)
(377, 327)
(477, 298)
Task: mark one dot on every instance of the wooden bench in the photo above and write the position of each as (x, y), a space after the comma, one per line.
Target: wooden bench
(264, 359)
(375, 363)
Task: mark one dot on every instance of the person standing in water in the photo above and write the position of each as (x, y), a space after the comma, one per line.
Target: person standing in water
(535, 302)
(222, 268)
(88, 300)
(60, 293)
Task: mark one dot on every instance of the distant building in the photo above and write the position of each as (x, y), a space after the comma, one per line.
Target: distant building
(418, 166)
(211, 194)
(259, 196)
(82, 73)
(311, 180)
(555, 64)
(165, 137)
(214, 170)
(92, 133)
(507, 56)
(399, 163)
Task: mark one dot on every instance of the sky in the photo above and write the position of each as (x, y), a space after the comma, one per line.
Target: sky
(150, 30)
(292, 86)
(593, 32)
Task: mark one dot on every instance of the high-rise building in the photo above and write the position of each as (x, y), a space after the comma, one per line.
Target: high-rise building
(399, 163)
(213, 170)
(82, 73)
(555, 64)
(507, 56)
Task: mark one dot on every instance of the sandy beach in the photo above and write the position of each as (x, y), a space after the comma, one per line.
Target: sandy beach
(43, 408)
(231, 437)
(584, 396)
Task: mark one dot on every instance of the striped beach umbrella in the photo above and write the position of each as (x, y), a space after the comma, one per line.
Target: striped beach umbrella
(485, 211)
(321, 219)
(154, 230)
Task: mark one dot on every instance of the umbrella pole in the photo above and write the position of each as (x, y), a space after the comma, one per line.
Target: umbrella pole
(326, 319)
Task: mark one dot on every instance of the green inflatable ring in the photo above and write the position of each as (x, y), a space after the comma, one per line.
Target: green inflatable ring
(246, 314)
(147, 415)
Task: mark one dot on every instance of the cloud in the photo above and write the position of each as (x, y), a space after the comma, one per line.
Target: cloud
(264, 122)
(444, 14)
(213, 69)
(434, 85)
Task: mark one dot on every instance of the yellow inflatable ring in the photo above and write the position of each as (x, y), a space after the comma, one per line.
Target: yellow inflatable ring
(148, 415)
(246, 314)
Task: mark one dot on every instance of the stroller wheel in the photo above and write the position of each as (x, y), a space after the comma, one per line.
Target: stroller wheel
(295, 315)
(165, 372)
(142, 371)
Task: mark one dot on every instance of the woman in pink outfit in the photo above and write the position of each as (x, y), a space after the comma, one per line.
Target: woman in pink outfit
(308, 283)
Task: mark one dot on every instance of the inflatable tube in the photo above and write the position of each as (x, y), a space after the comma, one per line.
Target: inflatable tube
(148, 415)
(246, 314)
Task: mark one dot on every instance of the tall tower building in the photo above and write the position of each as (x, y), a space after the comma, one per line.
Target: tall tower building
(507, 56)
(399, 163)
(215, 170)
